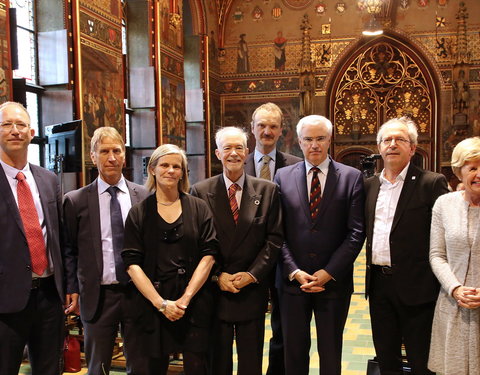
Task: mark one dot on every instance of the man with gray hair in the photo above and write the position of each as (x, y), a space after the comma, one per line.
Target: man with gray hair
(322, 203)
(247, 218)
(400, 284)
(94, 218)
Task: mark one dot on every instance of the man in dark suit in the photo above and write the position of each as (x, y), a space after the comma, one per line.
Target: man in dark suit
(323, 203)
(94, 217)
(264, 162)
(400, 284)
(248, 224)
(31, 270)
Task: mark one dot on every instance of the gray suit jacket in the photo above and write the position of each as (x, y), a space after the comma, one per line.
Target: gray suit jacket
(15, 263)
(83, 253)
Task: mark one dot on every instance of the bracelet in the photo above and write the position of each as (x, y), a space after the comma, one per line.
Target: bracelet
(163, 307)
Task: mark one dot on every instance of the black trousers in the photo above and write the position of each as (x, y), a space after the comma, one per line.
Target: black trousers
(116, 308)
(249, 336)
(276, 365)
(393, 322)
(330, 317)
(40, 326)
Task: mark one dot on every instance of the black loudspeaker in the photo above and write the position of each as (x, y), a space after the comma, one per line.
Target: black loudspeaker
(65, 146)
(12, 15)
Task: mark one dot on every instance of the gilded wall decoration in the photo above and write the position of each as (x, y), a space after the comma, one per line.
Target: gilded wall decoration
(5, 67)
(108, 9)
(172, 65)
(260, 85)
(297, 4)
(100, 30)
(381, 83)
(171, 24)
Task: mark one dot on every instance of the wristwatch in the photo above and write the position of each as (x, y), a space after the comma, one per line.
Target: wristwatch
(215, 277)
(163, 307)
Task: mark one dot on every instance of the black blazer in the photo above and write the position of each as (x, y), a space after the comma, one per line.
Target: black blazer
(15, 263)
(282, 159)
(252, 245)
(413, 279)
(83, 252)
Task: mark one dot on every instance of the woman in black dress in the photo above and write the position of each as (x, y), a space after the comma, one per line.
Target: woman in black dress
(169, 250)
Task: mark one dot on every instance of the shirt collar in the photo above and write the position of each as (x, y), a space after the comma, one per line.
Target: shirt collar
(12, 171)
(239, 182)
(323, 166)
(400, 177)
(103, 186)
(259, 155)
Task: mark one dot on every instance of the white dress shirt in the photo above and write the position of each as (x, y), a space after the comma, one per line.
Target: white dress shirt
(258, 159)
(123, 196)
(11, 173)
(387, 201)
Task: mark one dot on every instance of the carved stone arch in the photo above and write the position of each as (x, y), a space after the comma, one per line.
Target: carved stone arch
(383, 78)
(198, 17)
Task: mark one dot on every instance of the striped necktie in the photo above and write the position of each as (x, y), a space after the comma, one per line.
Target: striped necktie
(265, 170)
(233, 201)
(315, 193)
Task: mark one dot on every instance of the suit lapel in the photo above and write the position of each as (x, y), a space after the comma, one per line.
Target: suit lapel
(9, 199)
(248, 208)
(42, 191)
(134, 199)
(280, 161)
(250, 165)
(371, 204)
(95, 227)
(300, 178)
(407, 192)
(218, 201)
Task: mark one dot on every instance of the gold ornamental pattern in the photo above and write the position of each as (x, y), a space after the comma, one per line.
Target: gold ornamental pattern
(381, 83)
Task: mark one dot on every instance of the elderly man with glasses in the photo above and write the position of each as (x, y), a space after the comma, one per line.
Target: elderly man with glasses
(400, 284)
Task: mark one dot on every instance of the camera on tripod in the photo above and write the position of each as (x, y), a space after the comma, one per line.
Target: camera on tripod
(369, 164)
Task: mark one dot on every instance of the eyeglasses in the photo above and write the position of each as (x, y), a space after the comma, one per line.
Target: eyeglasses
(310, 140)
(8, 125)
(388, 141)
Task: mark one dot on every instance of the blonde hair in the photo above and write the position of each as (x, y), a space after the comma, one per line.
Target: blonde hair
(104, 132)
(167, 149)
(467, 150)
(271, 108)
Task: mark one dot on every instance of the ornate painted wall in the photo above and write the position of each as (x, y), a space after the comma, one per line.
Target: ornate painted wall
(5, 66)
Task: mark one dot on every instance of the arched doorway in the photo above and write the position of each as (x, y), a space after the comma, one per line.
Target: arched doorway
(379, 80)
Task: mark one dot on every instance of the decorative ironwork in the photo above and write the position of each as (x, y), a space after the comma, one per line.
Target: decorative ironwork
(381, 83)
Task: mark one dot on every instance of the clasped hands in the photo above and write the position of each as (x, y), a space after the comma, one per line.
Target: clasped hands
(234, 283)
(175, 310)
(312, 283)
(467, 297)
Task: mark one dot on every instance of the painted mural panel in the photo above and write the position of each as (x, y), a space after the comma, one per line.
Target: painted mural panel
(102, 83)
(5, 68)
(173, 111)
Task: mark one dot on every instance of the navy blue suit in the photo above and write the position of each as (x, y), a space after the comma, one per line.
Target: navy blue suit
(331, 242)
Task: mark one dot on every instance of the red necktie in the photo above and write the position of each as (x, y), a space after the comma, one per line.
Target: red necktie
(315, 193)
(31, 225)
(233, 200)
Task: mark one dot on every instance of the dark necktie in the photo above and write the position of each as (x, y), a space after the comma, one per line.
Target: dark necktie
(265, 170)
(315, 193)
(31, 226)
(233, 200)
(117, 235)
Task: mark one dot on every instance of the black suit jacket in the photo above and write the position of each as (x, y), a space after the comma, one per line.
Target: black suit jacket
(282, 159)
(250, 246)
(412, 276)
(333, 240)
(83, 253)
(15, 263)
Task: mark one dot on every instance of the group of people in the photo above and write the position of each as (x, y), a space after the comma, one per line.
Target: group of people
(190, 269)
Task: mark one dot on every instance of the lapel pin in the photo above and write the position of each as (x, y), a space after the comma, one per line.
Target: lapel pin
(257, 202)
(414, 177)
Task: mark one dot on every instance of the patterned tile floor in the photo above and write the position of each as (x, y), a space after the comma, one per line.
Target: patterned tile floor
(357, 337)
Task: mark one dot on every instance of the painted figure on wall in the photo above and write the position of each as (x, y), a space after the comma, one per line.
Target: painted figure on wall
(279, 51)
(461, 92)
(243, 65)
